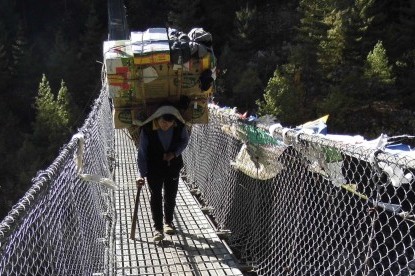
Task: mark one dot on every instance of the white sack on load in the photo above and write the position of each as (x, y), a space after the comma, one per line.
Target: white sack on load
(259, 162)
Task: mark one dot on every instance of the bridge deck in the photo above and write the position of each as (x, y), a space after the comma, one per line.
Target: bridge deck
(194, 250)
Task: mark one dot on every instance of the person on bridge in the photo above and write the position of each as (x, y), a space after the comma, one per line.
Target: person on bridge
(162, 140)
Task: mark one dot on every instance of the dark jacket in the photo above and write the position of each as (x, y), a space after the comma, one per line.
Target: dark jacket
(155, 151)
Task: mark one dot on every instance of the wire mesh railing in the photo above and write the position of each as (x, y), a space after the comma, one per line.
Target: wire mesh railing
(298, 204)
(294, 204)
(63, 224)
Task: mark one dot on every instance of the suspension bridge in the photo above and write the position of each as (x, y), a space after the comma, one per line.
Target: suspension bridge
(290, 203)
(254, 198)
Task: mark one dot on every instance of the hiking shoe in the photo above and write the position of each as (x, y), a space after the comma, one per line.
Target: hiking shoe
(169, 228)
(158, 236)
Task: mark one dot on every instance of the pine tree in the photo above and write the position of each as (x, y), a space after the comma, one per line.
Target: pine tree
(378, 72)
(245, 28)
(52, 117)
(342, 54)
(45, 105)
(389, 27)
(284, 99)
(304, 67)
(378, 65)
(357, 21)
(304, 55)
(47, 120)
(34, 150)
(50, 130)
(331, 47)
(63, 108)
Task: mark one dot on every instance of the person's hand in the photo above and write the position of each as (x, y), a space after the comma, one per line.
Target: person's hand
(140, 182)
(168, 156)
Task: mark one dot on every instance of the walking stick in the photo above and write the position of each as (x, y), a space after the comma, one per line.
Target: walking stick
(140, 184)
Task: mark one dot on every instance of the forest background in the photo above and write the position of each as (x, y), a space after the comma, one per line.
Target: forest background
(296, 60)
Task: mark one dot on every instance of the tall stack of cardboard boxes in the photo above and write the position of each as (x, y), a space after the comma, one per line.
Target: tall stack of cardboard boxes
(142, 73)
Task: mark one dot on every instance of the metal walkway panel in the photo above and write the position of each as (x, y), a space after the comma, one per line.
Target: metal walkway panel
(194, 250)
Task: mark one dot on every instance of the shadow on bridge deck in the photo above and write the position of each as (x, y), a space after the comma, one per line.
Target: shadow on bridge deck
(194, 250)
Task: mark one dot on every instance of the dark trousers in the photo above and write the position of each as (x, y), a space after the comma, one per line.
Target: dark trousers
(156, 184)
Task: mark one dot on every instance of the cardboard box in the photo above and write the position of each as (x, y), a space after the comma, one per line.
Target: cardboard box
(129, 92)
(148, 73)
(116, 91)
(158, 89)
(123, 92)
(152, 39)
(121, 80)
(186, 79)
(139, 93)
(207, 62)
(139, 73)
(126, 100)
(143, 111)
(189, 85)
(156, 82)
(122, 117)
(198, 111)
(111, 45)
(118, 57)
(120, 74)
(152, 58)
(198, 65)
(151, 46)
(119, 65)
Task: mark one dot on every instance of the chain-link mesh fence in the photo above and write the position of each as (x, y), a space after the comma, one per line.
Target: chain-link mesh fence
(309, 206)
(62, 225)
(295, 204)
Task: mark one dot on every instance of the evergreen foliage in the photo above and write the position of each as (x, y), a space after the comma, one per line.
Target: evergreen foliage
(377, 65)
(284, 97)
(245, 26)
(51, 126)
